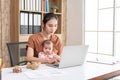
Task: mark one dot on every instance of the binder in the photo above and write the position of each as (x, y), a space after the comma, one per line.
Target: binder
(39, 5)
(33, 6)
(26, 5)
(25, 31)
(30, 27)
(36, 6)
(22, 22)
(36, 26)
(22, 4)
(47, 5)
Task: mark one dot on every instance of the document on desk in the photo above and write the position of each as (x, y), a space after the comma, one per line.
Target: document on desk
(43, 73)
(103, 60)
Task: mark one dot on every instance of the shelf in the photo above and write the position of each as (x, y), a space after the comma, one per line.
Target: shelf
(29, 14)
(39, 12)
(54, 13)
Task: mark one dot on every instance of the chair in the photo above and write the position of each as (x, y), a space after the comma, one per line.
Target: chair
(17, 53)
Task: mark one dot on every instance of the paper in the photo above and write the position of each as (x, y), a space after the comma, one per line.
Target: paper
(103, 60)
(34, 74)
(43, 73)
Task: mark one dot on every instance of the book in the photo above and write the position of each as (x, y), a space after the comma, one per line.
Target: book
(44, 5)
(47, 5)
(39, 5)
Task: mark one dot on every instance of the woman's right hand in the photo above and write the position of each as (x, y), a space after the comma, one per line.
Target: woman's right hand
(51, 60)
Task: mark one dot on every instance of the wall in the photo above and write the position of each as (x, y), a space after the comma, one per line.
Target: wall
(74, 22)
(4, 30)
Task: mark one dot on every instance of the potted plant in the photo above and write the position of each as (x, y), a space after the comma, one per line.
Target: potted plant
(54, 8)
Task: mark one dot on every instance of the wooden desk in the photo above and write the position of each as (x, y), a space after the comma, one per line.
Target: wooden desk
(107, 76)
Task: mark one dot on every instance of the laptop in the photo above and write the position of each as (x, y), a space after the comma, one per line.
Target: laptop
(72, 56)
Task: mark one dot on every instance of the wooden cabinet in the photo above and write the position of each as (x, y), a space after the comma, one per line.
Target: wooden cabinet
(27, 15)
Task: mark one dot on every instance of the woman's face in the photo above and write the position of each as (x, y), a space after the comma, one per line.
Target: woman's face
(51, 26)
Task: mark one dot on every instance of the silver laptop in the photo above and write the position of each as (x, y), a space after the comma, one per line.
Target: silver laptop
(72, 56)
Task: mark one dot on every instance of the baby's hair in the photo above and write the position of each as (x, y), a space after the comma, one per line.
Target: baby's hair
(47, 42)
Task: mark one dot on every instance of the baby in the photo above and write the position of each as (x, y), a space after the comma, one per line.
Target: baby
(48, 52)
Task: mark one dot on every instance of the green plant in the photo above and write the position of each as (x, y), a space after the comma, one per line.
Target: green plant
(54, 7)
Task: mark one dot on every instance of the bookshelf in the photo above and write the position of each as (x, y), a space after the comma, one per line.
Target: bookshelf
(27, 15)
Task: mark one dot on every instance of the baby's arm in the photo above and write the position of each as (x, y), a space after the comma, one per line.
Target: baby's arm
(43, 57)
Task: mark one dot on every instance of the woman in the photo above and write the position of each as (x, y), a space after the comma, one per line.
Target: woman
(35, 41)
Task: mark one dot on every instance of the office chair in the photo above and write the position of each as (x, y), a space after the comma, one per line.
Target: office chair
(17, 53)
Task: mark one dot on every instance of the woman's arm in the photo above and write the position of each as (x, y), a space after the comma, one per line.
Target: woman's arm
(30, 56)
(60, 47)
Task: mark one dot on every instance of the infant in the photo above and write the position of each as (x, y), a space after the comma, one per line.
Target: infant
(48, 52)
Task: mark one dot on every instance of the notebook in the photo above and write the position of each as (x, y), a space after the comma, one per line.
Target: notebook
(72, 56)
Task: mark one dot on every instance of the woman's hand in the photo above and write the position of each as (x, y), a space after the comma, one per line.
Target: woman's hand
(52, 60)
(57, 58)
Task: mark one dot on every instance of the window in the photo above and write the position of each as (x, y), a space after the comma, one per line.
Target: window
(102, 26)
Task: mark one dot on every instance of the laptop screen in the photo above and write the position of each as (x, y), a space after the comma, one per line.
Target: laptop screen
(73, 55)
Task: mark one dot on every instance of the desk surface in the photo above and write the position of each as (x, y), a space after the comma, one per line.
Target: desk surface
(83, 72)
(108, 76)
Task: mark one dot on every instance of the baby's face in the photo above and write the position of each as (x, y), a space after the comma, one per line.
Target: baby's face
(47, 49)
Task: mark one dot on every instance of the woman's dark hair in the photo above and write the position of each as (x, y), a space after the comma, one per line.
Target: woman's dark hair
(49, 16)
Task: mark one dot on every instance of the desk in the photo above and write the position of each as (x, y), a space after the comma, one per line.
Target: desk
(108, 76)
(83, 72)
